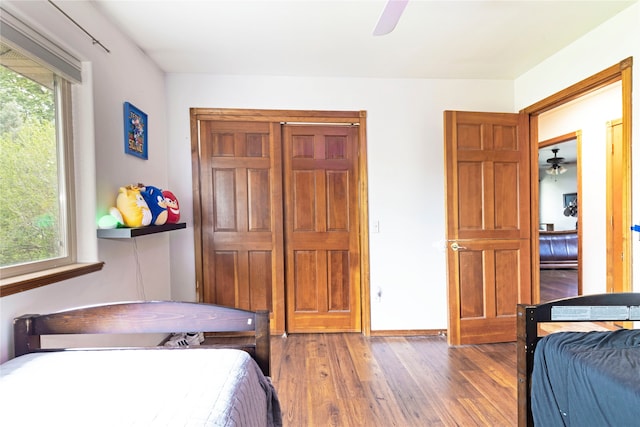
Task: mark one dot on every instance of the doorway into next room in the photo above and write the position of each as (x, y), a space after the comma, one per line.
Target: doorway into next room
(558, 176)
(579, 198)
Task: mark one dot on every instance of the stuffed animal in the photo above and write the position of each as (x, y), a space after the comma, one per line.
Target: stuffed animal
(155, 200)
(115, 213)
(173, 207)
(134, 210)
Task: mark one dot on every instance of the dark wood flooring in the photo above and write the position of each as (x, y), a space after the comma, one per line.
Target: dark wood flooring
(555, 284)
(352, 380)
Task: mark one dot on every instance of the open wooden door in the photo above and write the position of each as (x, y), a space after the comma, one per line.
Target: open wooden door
(487, 161)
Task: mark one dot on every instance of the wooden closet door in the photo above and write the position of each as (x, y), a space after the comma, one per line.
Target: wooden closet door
(241, 213)
(321, 228)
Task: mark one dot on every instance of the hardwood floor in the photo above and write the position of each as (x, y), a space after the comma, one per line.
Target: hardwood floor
(555, 284)
(352, 380)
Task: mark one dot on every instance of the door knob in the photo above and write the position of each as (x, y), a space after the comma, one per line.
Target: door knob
(456, 247)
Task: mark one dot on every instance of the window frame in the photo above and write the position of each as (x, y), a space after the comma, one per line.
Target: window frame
(66, 69)
(66, 179)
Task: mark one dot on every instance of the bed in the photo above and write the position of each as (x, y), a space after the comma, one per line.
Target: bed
(212, 385)
(579, 378)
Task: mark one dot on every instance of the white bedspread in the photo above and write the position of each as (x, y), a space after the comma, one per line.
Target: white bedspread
(213, 387)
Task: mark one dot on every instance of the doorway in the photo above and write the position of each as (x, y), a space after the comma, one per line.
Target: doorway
(587, 106)
(560, 237)
(261, 193)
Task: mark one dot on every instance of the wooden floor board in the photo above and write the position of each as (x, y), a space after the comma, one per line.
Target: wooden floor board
(352, 380)
(556, 284)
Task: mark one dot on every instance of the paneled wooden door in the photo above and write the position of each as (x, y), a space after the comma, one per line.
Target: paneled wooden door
(321, 228)
(241, 209)
(488, 224)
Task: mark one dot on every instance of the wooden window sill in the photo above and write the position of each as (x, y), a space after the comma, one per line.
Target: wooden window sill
(25, 282)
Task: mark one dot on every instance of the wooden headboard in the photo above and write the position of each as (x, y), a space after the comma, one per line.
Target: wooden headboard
(147, 317)
(586, 308)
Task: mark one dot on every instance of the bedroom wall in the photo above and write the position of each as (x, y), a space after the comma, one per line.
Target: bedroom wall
(611, 42)
(125, 74)
(405, 152)
(405, 138)
(406, 184)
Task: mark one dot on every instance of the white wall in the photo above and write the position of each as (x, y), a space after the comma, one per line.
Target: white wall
(613, 41)
(110, 79)
(551, 189)
(406, 176)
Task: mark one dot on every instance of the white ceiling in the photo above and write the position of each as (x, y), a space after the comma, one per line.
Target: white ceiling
(476, 39)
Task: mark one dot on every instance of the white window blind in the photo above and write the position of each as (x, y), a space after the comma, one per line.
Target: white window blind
(19, 35)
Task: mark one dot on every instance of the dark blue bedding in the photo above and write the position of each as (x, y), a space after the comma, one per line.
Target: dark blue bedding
(587, 379)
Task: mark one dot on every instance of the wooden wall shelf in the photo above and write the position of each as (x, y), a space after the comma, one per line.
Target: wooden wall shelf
(128, 233)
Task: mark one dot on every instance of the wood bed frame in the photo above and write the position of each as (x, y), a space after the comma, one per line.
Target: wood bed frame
(587, 308)
(148, 317)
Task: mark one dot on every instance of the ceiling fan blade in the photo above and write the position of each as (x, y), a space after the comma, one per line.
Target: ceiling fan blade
(390, 17)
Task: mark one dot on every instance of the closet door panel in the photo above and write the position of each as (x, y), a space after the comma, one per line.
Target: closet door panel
(321, 228)
(241, 213)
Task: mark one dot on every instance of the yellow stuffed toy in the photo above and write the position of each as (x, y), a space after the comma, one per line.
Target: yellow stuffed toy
(135, 211)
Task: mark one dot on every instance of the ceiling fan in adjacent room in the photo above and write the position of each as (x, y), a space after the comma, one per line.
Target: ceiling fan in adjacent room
(390, 17)
(555, 164)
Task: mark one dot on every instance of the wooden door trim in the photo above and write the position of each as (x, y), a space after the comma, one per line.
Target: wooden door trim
(611, 257)
(288, 116)
(197, 203)
(583, 87)
(363, 210)
(232, 114)
(621, 71)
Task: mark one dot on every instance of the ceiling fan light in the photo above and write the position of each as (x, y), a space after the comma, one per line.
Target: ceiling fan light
(555, 170)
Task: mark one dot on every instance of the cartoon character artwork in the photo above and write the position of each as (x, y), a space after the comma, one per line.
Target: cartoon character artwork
(132, 206)
(135, 131)
(173, 207)
(155, 200)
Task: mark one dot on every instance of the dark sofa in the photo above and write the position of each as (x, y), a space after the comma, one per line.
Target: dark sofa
(559, 249)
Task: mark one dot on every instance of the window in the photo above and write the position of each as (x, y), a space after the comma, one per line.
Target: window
(37, 226)
(36, 209)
